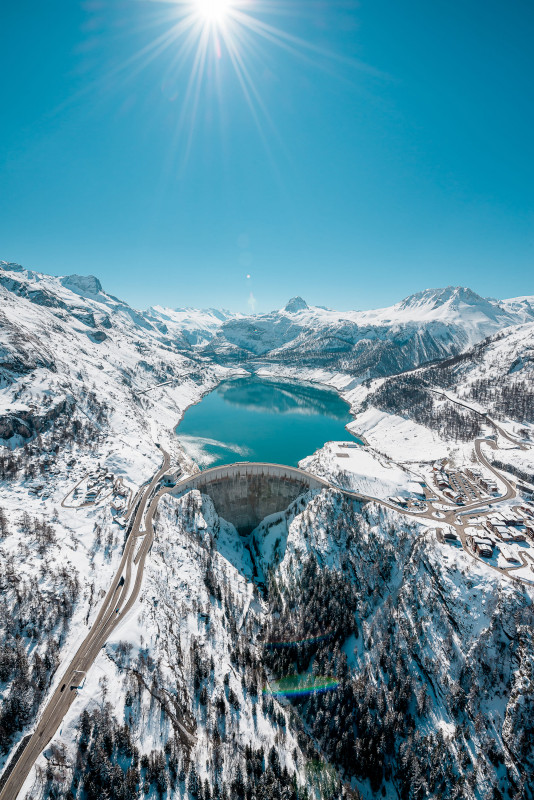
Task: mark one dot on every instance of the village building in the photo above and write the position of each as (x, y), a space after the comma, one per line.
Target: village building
(481, 545)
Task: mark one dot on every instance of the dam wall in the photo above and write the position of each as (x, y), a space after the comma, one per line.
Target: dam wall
(245, 493)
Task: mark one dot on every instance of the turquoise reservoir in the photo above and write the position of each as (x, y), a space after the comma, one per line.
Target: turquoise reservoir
(259, 419)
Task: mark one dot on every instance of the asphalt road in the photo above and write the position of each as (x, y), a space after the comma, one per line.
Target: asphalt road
(451, 517)
(118, 597)
(485, 416)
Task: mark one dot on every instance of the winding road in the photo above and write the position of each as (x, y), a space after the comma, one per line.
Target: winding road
(118, 601)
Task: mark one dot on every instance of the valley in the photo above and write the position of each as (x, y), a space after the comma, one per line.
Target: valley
(374, 578)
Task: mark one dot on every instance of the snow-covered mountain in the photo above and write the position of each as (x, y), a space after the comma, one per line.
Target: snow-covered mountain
(196, 326)
(424, 327)
(83, 298)
(438, 406)
(63, 339)
(425, 704)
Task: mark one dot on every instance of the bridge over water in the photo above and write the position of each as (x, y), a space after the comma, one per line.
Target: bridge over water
(247, 492)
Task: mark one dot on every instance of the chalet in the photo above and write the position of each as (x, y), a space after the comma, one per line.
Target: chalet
(511, 518)
(445, 535)
(519, 534)
(502, 532)
(474, 474)
(507, 534)
(442, 482)
(495, 523)
(482, 546)
(509, 554)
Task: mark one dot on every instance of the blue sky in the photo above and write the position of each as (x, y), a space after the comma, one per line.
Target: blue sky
(390, 150)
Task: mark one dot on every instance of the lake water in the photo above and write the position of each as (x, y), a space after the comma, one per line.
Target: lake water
(259, 419)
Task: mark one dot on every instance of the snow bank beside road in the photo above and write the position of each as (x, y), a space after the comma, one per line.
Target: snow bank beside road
(361, 470)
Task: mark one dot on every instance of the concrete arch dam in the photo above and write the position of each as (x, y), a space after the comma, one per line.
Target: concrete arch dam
(245, 493)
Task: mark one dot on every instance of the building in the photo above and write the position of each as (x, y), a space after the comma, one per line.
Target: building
(506, 533)
(442, 481)
(529, 530)
(171, 478)
(446, 535)
(489, 485)
(495, 523)
(510, 517)
(481, 545)
(509, 554)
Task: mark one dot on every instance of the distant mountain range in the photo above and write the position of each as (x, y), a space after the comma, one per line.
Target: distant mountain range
(424, 327)
(427, 326)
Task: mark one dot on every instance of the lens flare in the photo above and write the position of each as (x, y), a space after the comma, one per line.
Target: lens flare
(301, 686)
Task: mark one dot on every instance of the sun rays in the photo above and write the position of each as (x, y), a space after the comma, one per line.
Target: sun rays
(206, 40)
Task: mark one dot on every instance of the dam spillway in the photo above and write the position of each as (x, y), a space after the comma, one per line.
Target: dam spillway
(245, 493)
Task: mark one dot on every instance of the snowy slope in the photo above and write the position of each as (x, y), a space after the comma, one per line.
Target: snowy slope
(196, 326)
(424, 327)
(440, 408)
(439, 700)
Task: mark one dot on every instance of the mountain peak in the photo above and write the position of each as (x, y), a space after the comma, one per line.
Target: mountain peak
(296, 304)
(10, 266)
(82, 284)
(454, 295)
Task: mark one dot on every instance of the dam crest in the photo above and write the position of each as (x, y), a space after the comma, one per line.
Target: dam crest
(247, 492)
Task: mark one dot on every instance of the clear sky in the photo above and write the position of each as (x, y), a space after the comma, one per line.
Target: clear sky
(354, 155)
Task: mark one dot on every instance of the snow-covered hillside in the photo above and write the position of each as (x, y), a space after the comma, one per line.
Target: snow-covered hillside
(449, 401)
(190, 673)
(425, 653)
(64, 339)
(88, 388)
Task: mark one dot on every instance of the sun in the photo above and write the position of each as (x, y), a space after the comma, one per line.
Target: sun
(210, 40)
(213, 11)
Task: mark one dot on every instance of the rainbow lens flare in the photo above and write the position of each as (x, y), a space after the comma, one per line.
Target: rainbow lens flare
(301, 685)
